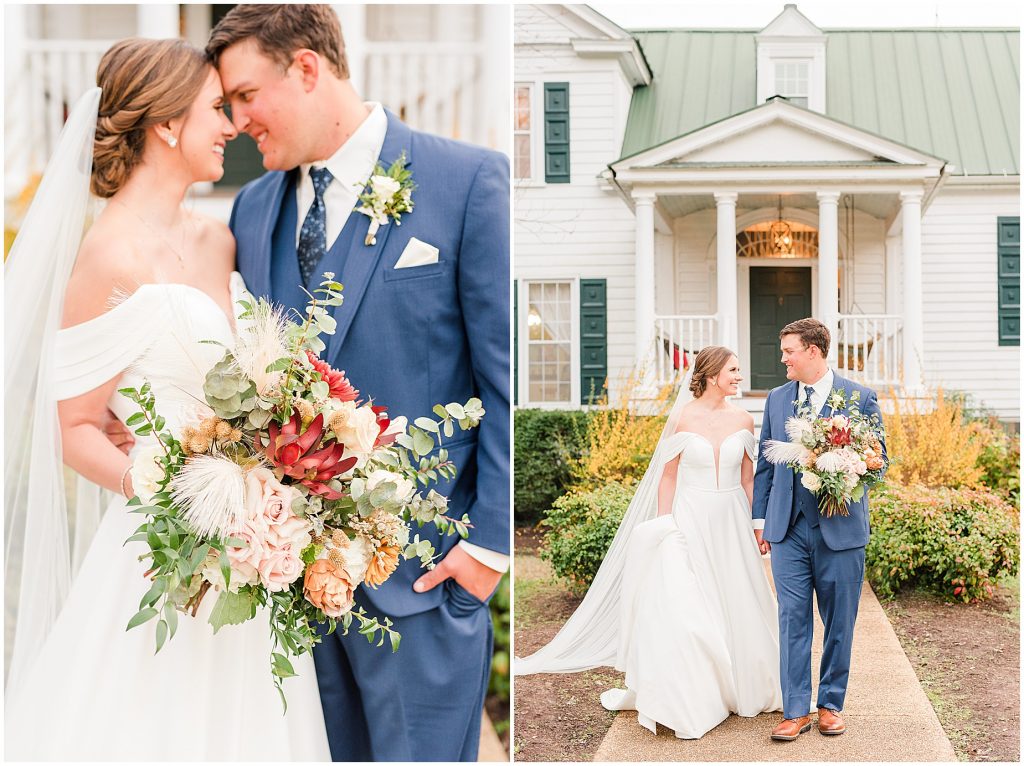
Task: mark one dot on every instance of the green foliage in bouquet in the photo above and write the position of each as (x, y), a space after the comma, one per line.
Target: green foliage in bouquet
(580, 527)
(547, 444)
(955, 542)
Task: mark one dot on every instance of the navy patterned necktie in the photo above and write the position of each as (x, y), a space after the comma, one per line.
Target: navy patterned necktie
(808, 391)
(313, 235)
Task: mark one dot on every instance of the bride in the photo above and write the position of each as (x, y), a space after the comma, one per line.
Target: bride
(681, 602)
(133, 301)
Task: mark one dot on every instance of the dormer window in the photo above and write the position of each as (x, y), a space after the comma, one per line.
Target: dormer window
(791, 61)
(792, 80)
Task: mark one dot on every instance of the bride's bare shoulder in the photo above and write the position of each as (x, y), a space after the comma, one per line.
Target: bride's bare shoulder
(215, 240)
(743, 419)
(109, 263)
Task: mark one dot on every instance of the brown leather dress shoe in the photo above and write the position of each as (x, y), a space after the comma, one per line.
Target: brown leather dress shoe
(791, 728)
(830, 722)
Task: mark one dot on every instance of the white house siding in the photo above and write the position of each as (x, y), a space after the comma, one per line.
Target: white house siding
(536, 25)
(962, 351)
(582, 229)
(696, 267)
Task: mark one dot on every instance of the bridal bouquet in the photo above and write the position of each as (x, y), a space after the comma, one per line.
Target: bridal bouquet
(839, 457)
(289, 493)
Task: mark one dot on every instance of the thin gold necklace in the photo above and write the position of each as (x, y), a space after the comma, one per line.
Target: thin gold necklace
(181, 259)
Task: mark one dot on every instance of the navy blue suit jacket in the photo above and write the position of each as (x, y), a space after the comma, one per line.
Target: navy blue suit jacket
(413, 337)
(774, 484)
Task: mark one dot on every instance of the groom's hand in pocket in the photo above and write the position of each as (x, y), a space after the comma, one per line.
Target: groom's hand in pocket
(477, 578)
(117, 433)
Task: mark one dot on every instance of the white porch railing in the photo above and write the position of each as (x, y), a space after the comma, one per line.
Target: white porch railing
(434, 87)
(58, 72)
(869, 348)
(677, 339)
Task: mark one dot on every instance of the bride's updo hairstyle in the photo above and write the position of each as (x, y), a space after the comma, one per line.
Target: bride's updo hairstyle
(144, 83)
(708, 363)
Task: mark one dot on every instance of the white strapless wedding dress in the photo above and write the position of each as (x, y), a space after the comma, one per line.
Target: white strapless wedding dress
(698, 632)
(96, 692)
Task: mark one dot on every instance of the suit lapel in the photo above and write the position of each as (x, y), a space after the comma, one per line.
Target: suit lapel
(361, 260)
(265, 239)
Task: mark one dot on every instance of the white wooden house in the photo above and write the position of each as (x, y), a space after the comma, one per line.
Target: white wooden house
(675, 188)
(433, 65)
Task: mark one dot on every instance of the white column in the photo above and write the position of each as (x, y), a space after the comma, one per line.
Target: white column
(913, 304)
(643, 290)
(828, 266)
(728, 335)
(160, 21)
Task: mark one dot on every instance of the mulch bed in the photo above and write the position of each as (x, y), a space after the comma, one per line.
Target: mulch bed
(967, 657)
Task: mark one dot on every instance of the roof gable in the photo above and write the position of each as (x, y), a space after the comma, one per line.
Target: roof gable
(791, 23)
(947, 93)
(778, 133)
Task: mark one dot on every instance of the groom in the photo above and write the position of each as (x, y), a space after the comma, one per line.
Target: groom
(811, 554)
(424, 321)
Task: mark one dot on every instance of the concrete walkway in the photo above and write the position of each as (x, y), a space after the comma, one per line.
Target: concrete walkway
(888, 716)
(491, 749)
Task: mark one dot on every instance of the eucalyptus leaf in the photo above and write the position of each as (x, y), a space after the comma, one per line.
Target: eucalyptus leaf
(140, 617)
(161, 634)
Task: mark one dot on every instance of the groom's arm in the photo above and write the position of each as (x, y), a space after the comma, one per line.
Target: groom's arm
(483, 274)
(763, 474)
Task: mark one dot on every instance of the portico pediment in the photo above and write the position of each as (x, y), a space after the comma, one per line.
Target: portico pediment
(778, 134)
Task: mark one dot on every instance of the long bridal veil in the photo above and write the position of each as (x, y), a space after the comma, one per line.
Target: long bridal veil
(43, 531)
(589, 638)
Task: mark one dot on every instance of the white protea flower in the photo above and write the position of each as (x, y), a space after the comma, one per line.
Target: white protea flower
(210, 489)
(261, 342)
(785, 452)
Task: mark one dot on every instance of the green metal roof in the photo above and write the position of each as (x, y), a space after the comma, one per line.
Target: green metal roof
(951, 93)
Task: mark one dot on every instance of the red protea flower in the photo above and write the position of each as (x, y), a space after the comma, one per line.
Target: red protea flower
(839, 437)
(303, 456)
(341, 389)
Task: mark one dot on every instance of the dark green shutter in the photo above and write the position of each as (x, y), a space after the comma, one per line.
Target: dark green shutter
(515, 341)
(1009, 280)
(556, 132)
(593, 338)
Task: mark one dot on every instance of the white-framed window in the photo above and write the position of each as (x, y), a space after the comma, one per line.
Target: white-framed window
(549, 348)
(792, 80)
(523, 118)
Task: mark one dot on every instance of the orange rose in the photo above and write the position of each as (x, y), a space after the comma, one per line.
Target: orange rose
(382, 564)
(328, 588)
(874, 463)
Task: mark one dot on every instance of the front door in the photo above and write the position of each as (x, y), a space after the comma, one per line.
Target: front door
(778, 296)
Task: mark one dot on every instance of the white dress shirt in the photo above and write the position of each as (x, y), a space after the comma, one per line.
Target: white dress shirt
(351, 167)
(822, 389)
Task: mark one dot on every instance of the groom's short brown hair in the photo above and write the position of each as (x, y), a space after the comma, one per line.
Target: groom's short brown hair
(811, 332)
(280, 30)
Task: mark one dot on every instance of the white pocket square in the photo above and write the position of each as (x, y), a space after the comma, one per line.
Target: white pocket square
(417, 253)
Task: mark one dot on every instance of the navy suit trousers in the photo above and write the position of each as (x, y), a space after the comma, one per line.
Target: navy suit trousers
(802, 567)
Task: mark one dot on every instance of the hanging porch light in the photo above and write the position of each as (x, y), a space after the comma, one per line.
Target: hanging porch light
(781, 235)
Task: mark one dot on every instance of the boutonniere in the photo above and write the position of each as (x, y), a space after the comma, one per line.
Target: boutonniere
(386, 195)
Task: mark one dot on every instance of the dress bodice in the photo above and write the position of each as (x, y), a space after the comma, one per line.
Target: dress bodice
(156, 334)
(697, 459)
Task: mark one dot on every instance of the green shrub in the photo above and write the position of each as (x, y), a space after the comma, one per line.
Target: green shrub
(956, 542)
(999, 459)
(580, 527)
(500, 603)
(547, 442)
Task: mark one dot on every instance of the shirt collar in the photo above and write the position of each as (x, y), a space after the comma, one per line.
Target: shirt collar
(354, 158)
(821, 386)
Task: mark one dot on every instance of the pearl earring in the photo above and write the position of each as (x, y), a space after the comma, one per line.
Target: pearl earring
(172, 141)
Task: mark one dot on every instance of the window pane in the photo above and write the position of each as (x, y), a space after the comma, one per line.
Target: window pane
(522, 107)
(522, 156)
